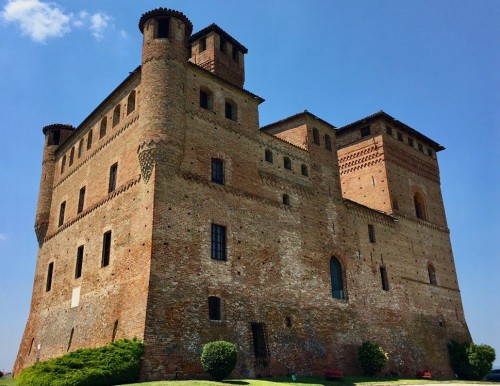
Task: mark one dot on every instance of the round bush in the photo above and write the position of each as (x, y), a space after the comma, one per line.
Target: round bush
(219, 359)
(372, 358)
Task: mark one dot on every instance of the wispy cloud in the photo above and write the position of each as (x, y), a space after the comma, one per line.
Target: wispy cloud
(3, 237)
(43, 20)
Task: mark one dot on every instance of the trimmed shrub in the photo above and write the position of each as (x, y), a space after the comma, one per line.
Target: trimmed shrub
(219, 359)
(114, 364)
(372, 358)
(471, 361)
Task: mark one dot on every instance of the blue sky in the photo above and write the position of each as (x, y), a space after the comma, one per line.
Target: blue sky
(434, 65)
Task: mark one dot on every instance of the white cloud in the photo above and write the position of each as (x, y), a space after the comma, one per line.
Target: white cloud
(42, 20)
(36, 19)
(3, 237)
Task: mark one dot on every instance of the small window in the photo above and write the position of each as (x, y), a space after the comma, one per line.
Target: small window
(432, 275)
(203, 44)
(214, 308)
(54, 138)
(365, 131)
(50, 272)
(89, 140)
(287, 164)
(206, 100)
(429, 152)
(236, 55)
(303, 170)
(163, 27)
(315, 136)
(103, 127)
(81, 200)
(400, 137)
(419, 206)
(131, 102)
(336, 278)
(420, 147)
(269, 156)
(371, 233)
(115, 331)
(286, 199)
(70, 339)
(79, 262)
(385, 280)
(328, 142)
(116, 116)
(62, 209)
(410, 141)
(218, 171)
(260, 344)
(388, 130)
(222, 45)
(63, 164)
(71, 156)
(113, 175)
(218, 247)
(230, 110)
(80, 148)
(106, 249)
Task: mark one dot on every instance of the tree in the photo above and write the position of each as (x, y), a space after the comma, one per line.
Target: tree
(471, 361)
(372, 358)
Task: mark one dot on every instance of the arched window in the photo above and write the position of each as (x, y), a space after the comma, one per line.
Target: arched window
(102, 129)
(328, 142)
(303, 170)
(116, 116)
(269, 156)
(63, 163)
(287, 164)
(131, 102)
(206, 99)
(419, 206)
(315, 136)
(432, 274)
(286, 199)
(231, 110)
(80, 148)
(337, 278)
(71, 156)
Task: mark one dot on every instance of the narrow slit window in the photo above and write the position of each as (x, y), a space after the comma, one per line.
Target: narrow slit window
(80, 148)
(70, 339)
(336, 278)
(50, 272)
(113, 175)
(218, 171)
(432, 275)
(286, 199)
(71, 156)
(89, 140)
(115, 331)
(419, 206)
(63, 164)
(81, 200)
(269, 156)
(116, 116)
(328, 142)
(79, 262)
(214, 308)
(315, 136)
(62, 209)
(103, 127)
(303, 170)
(218, 242)
(131, 102)
(371, 233)
(384, 278)
(287, 164)
(106, 249)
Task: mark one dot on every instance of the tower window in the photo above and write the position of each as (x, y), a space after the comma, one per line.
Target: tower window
(336, 278)
(383, 276)
(63, 164)
(286, 199)
(206, 100)
(214, 308)
(287, 164)
(79, 262)
(365, 131)
(429, 152)
(236, 55)
(80, 148)
(315, 136)
(371, 233)
(419, 206)
(410, 142)
(269, 156)
(103, 127)
(432, 275)
(303, 170)
(71, 156)
(131, 102)
(54, 138)
(113, 175)
(203, 44)
(81, 200)
(163, 27)
(388, 130)
(420, 147)
(222, 45)
(328, 142)
(218, 171)
(116, 116)
(106, 249)
(400, 137)
(260, 343)
(218, 244)
(50, 272)
(230, 110)
(89, 140)
(62, 209)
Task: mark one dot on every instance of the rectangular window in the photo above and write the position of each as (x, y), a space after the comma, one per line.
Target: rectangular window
(260, 343)
(420, 147)
(81, 200)
(203, 44)
(80, 148)
(388, 130)
(89, 140)
(371, 233)
(50, 271)
(163, 28)
(429, 152)
(223, 45)
(62, 209)
(113, 173)
(218, 171)
(214, 308)
(400, 137)
(106, 249)
(79, 262)
(218, 244)
(385, 280)
(203, 100)
(410, 142)
(365, 131)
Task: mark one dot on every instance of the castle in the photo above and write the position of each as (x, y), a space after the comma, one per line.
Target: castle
(168, 214)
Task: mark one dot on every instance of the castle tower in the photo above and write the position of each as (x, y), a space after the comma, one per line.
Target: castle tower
(164, 60)
(54, 135)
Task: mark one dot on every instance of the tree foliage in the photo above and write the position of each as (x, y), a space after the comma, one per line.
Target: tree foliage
(471, 361)
(219, 359)
(372, 358)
